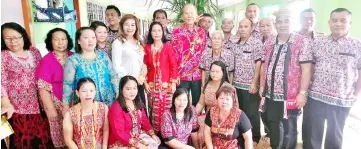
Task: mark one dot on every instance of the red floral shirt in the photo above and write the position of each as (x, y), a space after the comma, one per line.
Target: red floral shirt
(189, 46)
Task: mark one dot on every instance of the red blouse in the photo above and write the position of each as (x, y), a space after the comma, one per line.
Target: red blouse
(166, 62)
(120, 126)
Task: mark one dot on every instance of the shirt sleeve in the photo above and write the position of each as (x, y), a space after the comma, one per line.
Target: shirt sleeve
(259, 52)
(166, 129)
(146, 124)
(69, 80)
(208, 120)
(173, 65)
(230, 61)
(202, 64)
(305, 52)
(358, 50)
(244, 125)
(113, 75)
(4, 76)
(117, 53)
(43, 76)
(117, 123)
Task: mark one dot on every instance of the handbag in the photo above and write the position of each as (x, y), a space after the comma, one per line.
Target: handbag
(6, 129)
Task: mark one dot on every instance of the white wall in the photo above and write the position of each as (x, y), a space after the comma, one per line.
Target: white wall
(11, 11)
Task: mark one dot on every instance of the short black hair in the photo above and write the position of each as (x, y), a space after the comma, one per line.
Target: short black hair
(251, 4)
(49, 37)
(19, 29)
(159, 11)
(341, 10)
(207, 15)
(77, 37)
(137, 101)
(113, 7)
(96, 24)
(150, 38)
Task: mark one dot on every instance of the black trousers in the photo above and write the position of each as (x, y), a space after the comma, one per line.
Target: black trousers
(282, 132)
(249, 103)
(315, 114)
(265, 122)
(194, 87)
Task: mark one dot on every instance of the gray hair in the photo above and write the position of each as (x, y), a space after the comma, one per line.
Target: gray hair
(283, 12)
(217, 32)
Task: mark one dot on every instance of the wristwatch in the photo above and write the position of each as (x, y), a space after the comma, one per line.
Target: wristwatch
(304, 93)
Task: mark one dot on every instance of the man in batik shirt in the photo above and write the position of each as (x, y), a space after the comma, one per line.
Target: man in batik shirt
(308, 22)
(252, 13)
(205, 22)
(287, 74)
(112, 15)
(247, 59)
(229, 38)
(189, 42)
(335, 83)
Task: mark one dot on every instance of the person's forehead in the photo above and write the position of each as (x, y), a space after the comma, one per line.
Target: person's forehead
(160, 14)
(283, 17)
(308, 14)
(252, 7)
(227, 21)
(265, 21)
(189, 8)
(342, 14)
(110, 11)
(245, 22)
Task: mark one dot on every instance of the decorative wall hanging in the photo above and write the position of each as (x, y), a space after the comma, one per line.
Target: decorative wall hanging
(95, 12)
(53, 13)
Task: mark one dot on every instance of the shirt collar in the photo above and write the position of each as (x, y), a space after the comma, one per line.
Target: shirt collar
(341, 40)
(291, 40)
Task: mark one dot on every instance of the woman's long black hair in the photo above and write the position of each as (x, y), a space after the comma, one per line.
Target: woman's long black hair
(137, 101)
(187, 111)
(224, 70)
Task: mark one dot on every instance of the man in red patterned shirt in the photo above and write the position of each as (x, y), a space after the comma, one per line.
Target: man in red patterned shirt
(189, 42)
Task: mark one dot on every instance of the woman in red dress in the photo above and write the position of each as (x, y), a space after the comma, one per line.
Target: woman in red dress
(162, 73)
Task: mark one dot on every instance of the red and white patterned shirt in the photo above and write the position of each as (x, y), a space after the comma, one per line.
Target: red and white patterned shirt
(188, 58)
(18, 81)
(337, 63)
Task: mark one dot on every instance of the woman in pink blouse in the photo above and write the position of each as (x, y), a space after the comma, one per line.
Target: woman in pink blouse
(49, 76)
(128, 123)
(179, 123)
(18, 89)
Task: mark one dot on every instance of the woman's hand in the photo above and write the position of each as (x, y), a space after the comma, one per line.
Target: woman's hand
(156, 138)
(8, 109)
(52, 114)
(146, 88)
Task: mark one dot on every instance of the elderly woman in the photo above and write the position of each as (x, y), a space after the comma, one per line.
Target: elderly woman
(216, 53)
(226, 125)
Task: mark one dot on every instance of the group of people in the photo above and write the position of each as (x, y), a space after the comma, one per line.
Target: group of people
(120, 89)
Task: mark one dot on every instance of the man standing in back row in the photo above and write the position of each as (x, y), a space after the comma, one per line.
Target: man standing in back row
(336, 83)
(252, 13)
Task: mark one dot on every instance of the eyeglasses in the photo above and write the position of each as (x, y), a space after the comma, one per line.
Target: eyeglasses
(10, 39)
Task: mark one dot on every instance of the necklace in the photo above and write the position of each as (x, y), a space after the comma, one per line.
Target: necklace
(134, 116)
(155, 50)
(83, 127)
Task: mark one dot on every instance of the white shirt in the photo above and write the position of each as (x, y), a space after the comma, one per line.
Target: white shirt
(127, 59)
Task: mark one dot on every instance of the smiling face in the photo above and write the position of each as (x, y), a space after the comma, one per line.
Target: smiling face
(205, 23)
(129, 27)
(283, 24)
(227, 25)
(267, 27)
(86, 92)
(101, 33)
(189, 14)
(252, 13)
(340, 23)
(225, 101)
(181, 102)
(87, 40)
(217, 40)
(216, 73)
(130, 90)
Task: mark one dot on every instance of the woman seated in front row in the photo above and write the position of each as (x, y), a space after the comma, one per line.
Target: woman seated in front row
(129, 125)
(179, 123)
(226, 125)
